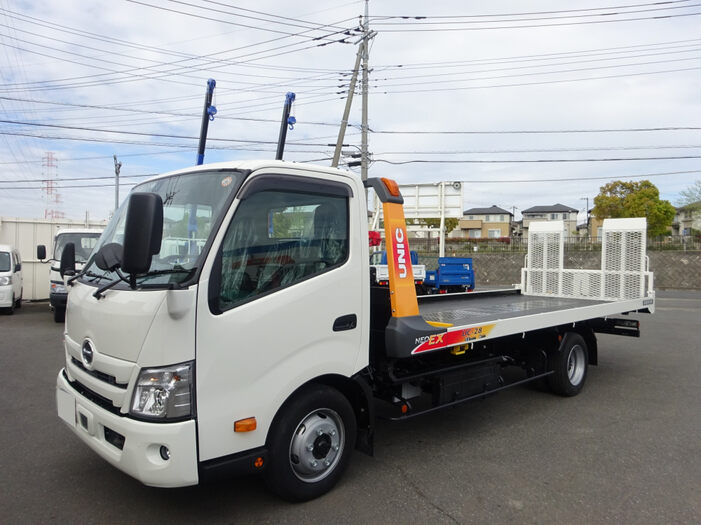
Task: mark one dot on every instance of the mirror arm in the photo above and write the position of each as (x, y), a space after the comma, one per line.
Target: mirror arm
(98, 293)
(69, 282)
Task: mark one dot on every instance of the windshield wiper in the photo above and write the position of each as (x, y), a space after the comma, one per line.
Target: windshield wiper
(169, 271)
(95, 276)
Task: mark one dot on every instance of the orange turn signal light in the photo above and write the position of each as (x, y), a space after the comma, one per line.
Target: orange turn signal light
(258, 463)
(245, 425)
(391, 186)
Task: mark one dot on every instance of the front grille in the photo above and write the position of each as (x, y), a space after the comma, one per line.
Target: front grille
(93, 396)
(99, 375)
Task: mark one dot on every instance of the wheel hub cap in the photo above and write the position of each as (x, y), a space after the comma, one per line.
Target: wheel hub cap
(317, 445)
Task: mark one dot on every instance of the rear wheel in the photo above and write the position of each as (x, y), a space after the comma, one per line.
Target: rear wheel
(59, 314)
(310, 442)
(569, 365)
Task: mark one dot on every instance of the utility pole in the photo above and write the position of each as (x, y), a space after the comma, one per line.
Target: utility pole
(346, 110)
(364, 124)
(586, 212)
(117, 169)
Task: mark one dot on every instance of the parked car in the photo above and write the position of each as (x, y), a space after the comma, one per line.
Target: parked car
(10, 278)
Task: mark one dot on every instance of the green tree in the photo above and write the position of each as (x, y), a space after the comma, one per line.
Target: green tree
(450, 223)
(691, 196)
(619, 199)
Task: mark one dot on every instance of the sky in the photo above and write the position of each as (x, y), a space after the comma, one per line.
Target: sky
(527, 103)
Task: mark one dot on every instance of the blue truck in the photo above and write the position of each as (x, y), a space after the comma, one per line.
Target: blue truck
(454, 274)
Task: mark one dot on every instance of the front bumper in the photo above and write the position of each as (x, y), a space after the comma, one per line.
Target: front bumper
(6, 296)
(139, 456)
(58, 300)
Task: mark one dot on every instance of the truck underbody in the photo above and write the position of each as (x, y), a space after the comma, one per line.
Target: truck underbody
(419, 383)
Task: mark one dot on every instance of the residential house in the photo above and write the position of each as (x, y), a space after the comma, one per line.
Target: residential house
(556, 212)
(592, 228)
(686, 219)
(492, 223)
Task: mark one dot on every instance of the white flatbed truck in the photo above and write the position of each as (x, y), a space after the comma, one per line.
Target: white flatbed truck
(263, 347)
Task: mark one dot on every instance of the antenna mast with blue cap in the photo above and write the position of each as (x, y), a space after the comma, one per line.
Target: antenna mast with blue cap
(287, 120)
(207, 115)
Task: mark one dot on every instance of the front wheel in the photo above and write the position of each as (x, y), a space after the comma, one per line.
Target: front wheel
(310, 441)
(569, 365)
(11, 309)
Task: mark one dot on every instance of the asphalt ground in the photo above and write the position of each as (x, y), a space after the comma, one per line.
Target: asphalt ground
(626, 450)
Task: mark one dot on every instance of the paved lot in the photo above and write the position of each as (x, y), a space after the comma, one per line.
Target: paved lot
(626, 450)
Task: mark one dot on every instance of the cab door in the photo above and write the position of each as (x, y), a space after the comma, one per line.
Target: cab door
(280, 303)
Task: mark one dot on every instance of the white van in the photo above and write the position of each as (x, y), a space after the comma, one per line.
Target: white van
(10, 278)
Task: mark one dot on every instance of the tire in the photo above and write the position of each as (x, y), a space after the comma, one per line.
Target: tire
(59, 315)
(11, 309)
(309, 443)
(569, 364)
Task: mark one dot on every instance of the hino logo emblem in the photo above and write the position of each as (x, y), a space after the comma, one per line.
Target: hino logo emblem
(87, 354)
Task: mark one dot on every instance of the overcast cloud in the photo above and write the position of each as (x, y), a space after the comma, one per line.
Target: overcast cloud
(590, 68)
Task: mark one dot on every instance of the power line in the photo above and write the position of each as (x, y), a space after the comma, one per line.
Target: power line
(538, 150)
(529, 161)
(539, 82)
(219, 20)
(62, 179)
(535, 131)
(532, 66)
(467, 181)
(531, 26)
(142, 134)
(580, 10)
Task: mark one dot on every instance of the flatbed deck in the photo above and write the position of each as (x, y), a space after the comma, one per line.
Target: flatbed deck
(471, 308)
(471, 317)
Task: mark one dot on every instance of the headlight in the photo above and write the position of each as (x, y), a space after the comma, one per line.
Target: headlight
(164, 393)
(57, 288)
(5, 280)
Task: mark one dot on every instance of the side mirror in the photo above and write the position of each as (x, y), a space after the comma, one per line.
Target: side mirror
(67, 266)
(41, 252)
(109, 257)
(18, 267)
(143, 231)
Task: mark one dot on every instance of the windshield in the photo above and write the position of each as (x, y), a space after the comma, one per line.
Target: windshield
(83, 242)
(4, 261)
(192, 203)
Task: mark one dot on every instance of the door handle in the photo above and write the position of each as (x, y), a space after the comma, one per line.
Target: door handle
(345, 322)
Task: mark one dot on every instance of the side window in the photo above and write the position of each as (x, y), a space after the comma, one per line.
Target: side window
(278, 238)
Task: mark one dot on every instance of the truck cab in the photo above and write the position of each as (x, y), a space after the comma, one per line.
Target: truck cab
(84, 240)
(185, 372)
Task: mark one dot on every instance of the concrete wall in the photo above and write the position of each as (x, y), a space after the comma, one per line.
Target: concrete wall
(672, 269)
(25, 235)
